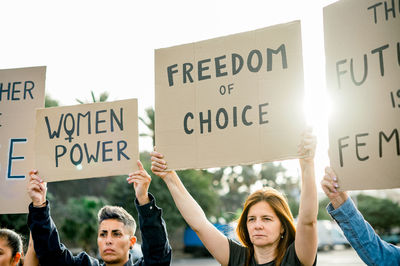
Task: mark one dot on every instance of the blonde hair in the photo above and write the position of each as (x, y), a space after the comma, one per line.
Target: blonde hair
(279, 204)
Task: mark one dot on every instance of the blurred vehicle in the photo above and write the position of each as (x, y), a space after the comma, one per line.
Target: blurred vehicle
(325, 238)
(193, 244)
(338, 236)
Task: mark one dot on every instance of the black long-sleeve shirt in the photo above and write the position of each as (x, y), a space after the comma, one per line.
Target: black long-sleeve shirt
(50, 251)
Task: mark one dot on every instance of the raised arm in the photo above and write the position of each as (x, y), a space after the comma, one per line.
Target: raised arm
(155, 245)
(215, 242)
(45, 236)
(360, 234)
(30, 257)
(306, 241)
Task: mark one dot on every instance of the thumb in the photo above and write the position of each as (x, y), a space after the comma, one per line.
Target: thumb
(140, 165)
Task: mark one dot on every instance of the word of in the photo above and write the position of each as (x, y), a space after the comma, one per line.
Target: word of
(359, 143)
(13, 90)
(222, 118)
(72, 123)
(77, 153)
(254, 63)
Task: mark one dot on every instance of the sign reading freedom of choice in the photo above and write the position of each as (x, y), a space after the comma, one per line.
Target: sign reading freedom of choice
(231, 100)
(88, 140)
(21, 92)
(362, 44)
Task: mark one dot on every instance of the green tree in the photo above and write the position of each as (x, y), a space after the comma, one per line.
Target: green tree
(198, 183)
(50, 102)
(149, 123)
(322, 213)
(382, 214)
(102, 98)
(80, 225)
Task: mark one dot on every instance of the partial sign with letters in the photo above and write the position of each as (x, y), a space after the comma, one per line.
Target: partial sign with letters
(88, 140)
(21, 92)
(231, 100)
(362, 46)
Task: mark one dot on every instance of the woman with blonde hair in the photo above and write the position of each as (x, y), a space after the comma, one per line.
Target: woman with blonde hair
(266, 226)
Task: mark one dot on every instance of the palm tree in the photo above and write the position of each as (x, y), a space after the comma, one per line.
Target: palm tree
(149, 123)
(102, 98)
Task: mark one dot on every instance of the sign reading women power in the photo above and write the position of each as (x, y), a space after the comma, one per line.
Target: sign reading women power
(362, 45)
(21, 92)
(231, 100)
(88, 140)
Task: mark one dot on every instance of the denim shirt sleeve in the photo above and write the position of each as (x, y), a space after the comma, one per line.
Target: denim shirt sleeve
(362, 237)
(155, 245)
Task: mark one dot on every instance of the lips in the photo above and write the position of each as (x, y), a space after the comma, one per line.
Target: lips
(108, 251)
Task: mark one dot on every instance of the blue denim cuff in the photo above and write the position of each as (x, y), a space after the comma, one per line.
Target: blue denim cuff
(342, 214)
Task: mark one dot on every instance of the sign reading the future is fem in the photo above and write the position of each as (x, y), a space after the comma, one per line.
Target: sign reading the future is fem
(231, 100)
(362, 46)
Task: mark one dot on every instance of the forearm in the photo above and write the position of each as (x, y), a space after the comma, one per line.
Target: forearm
(308, 209)
(362, 237)
(187, 206)
(155, 244)
(30, 257)
(45, 237)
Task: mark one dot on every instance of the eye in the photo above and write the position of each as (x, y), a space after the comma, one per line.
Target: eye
(117, 234)
(102, 234)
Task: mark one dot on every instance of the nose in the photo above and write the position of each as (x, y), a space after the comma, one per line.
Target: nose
(259, 224)
(108, 240)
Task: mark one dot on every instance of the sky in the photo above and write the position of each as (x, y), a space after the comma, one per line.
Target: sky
(96, 45)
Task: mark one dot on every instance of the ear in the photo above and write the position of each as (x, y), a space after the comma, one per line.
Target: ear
(133, 240)
(16, 258)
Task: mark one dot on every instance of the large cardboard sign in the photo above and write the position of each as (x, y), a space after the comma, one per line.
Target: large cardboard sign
(21, 92)
(362, 45)
(230, 100)
(88, 140)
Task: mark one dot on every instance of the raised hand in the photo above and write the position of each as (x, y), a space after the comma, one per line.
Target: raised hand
(331, 188)
(307, 147)
(159, 165)
(141, 182)
(37, 189)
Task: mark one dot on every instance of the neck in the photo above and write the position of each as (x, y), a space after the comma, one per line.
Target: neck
(116, 264)
(265, 254)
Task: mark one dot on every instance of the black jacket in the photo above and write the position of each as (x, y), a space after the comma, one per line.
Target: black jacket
(155, 246)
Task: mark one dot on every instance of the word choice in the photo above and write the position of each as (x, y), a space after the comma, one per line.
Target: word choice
(223, 119)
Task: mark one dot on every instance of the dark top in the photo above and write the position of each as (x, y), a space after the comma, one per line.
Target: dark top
(155, 246)
(238, 254)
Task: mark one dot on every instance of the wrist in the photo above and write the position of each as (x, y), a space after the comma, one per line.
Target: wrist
(142, 200)
(39, 204)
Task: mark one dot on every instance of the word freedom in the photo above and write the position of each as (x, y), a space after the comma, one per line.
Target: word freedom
(254, 62)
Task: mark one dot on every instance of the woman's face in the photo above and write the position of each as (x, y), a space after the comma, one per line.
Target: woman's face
(5, 253)
(263, 224)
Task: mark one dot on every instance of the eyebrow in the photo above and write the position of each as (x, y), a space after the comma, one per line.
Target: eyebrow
(112, 231)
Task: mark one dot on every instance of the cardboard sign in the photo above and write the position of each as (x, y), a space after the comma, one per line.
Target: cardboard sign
(21, 92)
(88, 140)
(231, 100)
(362, 45)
